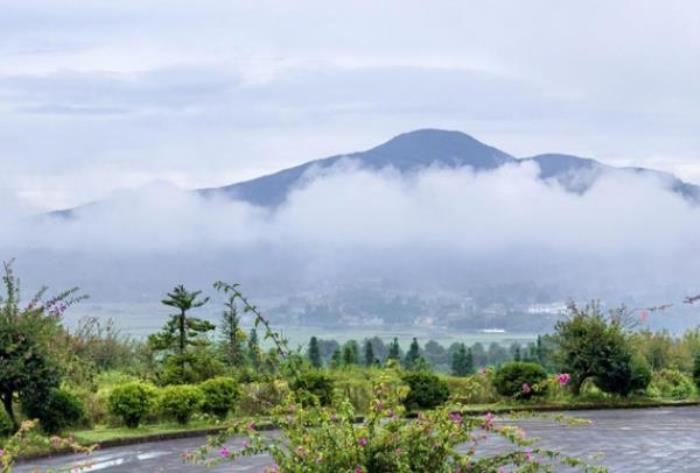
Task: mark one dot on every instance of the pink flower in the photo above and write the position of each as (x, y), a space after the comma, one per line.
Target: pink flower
(455, 417)
(563, 379)
(483, 371)
(358, 469)
(528, 455)
(224, 452)
(526, 388)
(362, 441)
(251, 426)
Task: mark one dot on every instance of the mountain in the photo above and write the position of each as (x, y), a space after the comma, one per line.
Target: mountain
(422, 148)
(406, 152)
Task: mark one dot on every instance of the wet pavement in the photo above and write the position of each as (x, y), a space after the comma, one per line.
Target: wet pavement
(624, 440)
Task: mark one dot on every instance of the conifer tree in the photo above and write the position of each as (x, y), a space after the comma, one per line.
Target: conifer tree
(370, 360)
(315, 353)
(413, 354)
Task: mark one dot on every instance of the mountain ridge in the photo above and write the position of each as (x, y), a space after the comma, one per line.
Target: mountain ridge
(418, 149)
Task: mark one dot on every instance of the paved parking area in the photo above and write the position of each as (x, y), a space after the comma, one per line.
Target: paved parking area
(624, 440)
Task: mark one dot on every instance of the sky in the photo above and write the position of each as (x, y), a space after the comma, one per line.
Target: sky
(100, 96)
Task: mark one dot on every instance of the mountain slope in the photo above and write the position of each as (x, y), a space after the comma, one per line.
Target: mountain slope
(406, 152)
(422, 148)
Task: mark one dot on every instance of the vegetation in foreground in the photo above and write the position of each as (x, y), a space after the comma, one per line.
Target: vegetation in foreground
(193, 373)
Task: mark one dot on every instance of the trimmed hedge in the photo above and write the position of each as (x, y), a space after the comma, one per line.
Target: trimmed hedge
(219, 396)
(179, 402)
(131, 402)
(427, 390)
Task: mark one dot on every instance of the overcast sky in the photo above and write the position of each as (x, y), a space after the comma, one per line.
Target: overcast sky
(102, 95)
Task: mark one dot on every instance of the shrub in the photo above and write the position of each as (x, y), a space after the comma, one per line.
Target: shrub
(427, 390)
(260, 398)
(474, 389)
(179, 402)
(5, 424)
(520, 380)
(218, 396)
(131, 402)
(696, 369)
(57, 411)
(641, 374)
(672, 384)
(312, 387)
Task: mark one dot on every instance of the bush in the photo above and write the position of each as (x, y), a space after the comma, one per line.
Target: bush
(474, 389)
(199, 366)
(311, 387)
(671, 384)
(427, 390)
(520, 380)
(260, 398)
(5, 424)
(56, 412)
(179, 402)
(131, 402)
(218, 396)
(641, 374)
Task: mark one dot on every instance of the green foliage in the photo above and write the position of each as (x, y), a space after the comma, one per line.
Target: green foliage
(394, 351)
(641, 374)
(313, 387)
(180, 402)
(181, 332)
(199, 364)
(670, 383)
(370, 359)
(6, 426)
(592, 347)
(131, 402)
(56, 412)
(315, 353)
(520, 380)
(427, 390)
(29, 354)
(323, 440)
(412, 355)
(462, 361)
(231, 334)
(219, 396)
(475, 389)
(261, 398)
(351, 354)
(696, 369)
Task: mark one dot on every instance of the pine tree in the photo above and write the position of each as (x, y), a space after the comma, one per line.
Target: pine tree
(413, 354)
(394, 350)
(254, 348)
(336, 359)
(231, 334)
(315, 353)
(351, 354)
(181, 331)
(370, 360)
(462, 361)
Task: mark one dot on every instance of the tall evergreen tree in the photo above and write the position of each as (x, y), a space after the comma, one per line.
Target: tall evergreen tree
(254, 348)
(370, 359)
(413, 354)
(231, 334)
(394, 350)
(462, 361)
(351, 354)
(315, 353)
(336, 359)
(182, 331)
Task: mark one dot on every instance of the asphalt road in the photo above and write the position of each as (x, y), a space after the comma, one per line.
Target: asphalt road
(625, 440)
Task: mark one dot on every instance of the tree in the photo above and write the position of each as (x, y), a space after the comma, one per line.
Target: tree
(231, 334)
(370, 359)
(336, 359)
(462, 361)
(412, 355)
(315, 353)
(591, 347)
(254, 348)
(696, 369)
(29, 357)
(394, 350)
(351, 354)
(181, 331)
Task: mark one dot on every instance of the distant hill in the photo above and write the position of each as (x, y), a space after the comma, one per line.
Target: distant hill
(429, 147)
